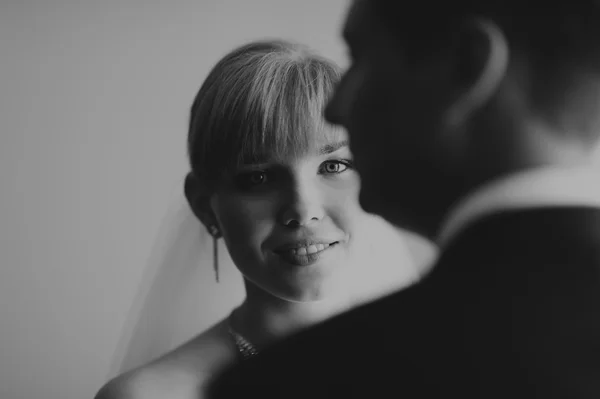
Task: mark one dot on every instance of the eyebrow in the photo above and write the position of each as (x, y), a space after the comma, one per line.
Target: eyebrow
(329, 148)
(324, 150)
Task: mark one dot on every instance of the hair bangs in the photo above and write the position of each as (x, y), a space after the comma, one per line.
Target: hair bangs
(286, 104)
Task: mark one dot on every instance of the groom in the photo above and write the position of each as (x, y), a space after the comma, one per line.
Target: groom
(472, 124)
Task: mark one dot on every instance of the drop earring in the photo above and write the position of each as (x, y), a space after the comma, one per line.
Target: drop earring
(214, 232)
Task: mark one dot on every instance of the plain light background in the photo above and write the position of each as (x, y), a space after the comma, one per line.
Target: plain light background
(94, 101)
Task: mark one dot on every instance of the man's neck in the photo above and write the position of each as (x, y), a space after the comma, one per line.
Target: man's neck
(433, 215)
(549, 186)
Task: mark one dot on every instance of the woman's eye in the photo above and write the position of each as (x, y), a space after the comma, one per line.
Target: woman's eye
(333, 167)
(251, 179)
(256, 178)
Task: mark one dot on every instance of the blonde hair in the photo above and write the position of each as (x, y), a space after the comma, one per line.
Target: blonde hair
(265, 96)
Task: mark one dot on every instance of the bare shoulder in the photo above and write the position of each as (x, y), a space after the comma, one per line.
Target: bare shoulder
(179, 374)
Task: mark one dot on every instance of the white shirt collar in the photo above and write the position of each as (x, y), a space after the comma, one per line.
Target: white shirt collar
(542, 187)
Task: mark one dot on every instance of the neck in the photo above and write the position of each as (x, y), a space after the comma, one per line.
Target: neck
(530, 146)
(264, 318)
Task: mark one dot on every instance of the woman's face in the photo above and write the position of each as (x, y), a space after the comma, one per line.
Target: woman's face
(288, 223)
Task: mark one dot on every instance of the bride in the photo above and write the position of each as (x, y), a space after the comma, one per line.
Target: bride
(277, 184)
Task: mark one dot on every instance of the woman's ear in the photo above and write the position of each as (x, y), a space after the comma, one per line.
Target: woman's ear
(482, 66)
(198, 196)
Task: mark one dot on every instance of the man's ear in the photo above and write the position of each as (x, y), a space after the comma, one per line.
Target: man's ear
(198, 196)
(482, 66)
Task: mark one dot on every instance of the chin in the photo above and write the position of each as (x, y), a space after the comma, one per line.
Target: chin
(312, 282)
(301, 296)
(310, 292)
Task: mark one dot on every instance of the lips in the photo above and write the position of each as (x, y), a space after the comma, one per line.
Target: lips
(306, 246)
(303, 253)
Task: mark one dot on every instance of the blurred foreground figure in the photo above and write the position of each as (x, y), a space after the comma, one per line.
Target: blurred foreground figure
(486, 113)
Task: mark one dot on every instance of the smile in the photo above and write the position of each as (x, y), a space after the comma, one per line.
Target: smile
(304, 255)
(308, 250)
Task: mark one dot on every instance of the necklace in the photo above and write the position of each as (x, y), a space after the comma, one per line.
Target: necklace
(245, 348)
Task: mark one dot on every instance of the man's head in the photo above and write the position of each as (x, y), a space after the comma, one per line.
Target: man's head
(439, 102)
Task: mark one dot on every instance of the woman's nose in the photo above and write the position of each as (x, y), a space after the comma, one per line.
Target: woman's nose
(303, 205)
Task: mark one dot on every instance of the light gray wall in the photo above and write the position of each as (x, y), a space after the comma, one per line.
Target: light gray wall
(94, 99)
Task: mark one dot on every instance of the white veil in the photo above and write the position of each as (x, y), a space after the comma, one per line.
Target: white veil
(178, 296)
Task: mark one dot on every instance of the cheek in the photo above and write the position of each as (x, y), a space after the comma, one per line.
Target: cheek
(342, 203)
(244, 222)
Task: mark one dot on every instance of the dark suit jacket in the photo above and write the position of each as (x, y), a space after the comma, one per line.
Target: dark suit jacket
(511, 310)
